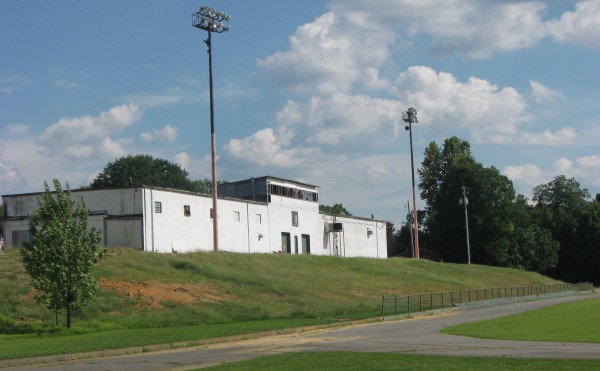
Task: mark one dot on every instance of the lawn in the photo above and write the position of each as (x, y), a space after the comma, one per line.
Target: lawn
(572, 322)
(393, 361)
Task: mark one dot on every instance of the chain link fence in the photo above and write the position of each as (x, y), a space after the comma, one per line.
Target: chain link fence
(397, 305)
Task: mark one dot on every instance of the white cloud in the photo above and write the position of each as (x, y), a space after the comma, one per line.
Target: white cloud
(475, 29)
(547, 138)
(585, 169)
(581, 26)
(11, 83)
(168, 133)
(197, 168)
(542, 93)
(172, 96)
(267, 147)
(65, 84)
(492, 114)
(84, 136)
(329, 54)
(10, 176)
(529, 174)
(343, 120)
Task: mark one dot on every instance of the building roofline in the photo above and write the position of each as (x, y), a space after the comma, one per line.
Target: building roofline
(353, 217)
(269, 177)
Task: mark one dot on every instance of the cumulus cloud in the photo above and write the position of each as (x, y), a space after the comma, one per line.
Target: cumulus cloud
(474, 29)
(542, 93)
(9, 175)
(581, 26)
(343, 120)
(84, 136)
(329, 54)
(492, 114)
(168, 133)
(585, 169)
(266, 147)
(548, 138)
(528, 174)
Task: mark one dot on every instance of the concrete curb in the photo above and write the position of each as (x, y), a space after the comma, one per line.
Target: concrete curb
(181, 344)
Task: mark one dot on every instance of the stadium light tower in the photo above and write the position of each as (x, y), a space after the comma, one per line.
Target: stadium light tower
(211, 20)
(410, 117)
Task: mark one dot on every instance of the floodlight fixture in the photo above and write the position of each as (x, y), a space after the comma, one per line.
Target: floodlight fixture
(410, 117)
(211, 20)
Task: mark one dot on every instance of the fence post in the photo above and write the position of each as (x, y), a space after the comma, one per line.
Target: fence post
(408, 304)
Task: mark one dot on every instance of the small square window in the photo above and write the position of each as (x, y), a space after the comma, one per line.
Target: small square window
(294, 218)
(157, 207)
(186, 210)
(236, 216)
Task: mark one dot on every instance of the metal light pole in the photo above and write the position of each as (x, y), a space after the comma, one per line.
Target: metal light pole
(410, 117)
(410, 229)
(211, 20)
(464, 201)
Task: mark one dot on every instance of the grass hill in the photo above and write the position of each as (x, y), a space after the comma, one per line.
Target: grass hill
(143, 290)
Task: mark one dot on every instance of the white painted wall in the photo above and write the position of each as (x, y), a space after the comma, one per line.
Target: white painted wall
(128, 217)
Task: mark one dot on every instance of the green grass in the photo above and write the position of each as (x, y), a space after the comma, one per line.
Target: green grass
(22, 347)
(222, 291)
(571, 322)
(394, 361)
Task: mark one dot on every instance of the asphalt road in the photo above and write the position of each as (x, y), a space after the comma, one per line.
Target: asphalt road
(411, 336)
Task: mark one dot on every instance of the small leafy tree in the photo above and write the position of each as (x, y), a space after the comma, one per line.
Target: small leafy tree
(142, 170)
(61, 256)
(337, 209)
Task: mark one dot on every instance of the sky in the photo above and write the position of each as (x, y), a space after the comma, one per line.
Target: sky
(309, 90)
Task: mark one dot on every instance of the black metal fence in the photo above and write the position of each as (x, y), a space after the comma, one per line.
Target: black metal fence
(395, 305)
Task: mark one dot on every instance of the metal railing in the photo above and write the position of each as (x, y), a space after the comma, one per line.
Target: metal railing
(396, 305)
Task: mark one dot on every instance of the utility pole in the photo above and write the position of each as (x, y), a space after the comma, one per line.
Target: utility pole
(410, 228)
(410, 117)
(211, 20)
(465, 201)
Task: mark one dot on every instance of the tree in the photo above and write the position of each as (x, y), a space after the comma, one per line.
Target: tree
(337, 209)
(500, 232)
(203, 185)
(61, 256)
(569, 213)
(142, 170)
(532, 245)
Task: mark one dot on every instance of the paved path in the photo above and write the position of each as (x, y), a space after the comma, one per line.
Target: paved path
(419, 335)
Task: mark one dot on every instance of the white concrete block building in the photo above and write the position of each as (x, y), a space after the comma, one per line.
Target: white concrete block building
(258, 215)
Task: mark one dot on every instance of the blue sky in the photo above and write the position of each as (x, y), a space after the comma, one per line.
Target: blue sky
(306, 90)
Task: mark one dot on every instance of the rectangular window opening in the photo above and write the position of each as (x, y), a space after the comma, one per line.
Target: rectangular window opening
(294, 219)
(186, 210)
(157, 207)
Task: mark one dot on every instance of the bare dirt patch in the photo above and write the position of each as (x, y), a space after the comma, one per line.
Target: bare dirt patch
(154, 293)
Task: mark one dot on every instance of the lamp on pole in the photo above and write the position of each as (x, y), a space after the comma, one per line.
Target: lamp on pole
(410, 117)
(211, 20)
(464, 201)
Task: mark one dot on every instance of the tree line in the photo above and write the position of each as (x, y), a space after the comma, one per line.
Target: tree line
(138, 170)
(557, 233)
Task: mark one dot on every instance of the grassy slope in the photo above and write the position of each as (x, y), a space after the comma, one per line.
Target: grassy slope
(214, 293)
(240, 287)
